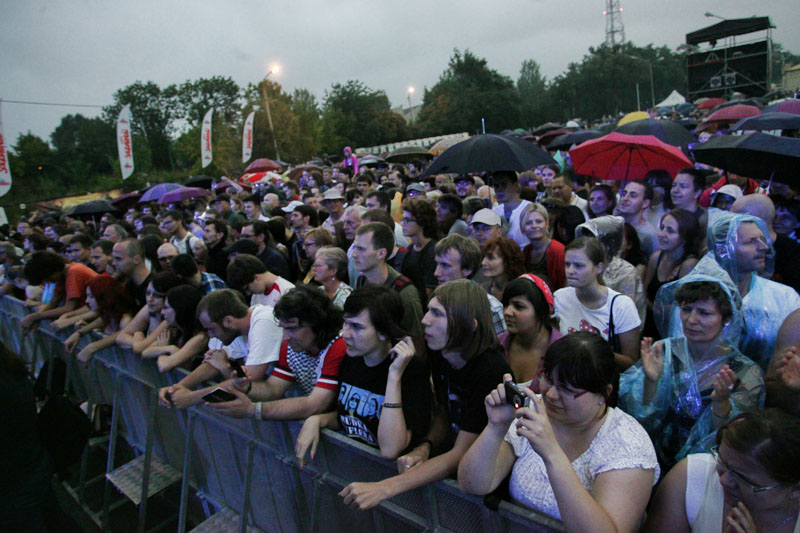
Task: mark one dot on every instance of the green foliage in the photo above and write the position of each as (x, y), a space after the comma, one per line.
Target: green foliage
(467, 92)
(194, 98)
(532, 89)
(604, 83)
(83, 146)
(355, 115)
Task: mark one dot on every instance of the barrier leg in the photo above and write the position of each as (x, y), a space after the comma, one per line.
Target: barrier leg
(187, 453)
(112, 448)
(148, 456)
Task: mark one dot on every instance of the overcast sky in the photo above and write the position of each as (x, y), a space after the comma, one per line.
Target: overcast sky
(82, 51)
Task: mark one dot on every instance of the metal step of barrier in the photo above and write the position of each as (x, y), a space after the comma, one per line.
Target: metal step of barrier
(224, 520)
(128, 478)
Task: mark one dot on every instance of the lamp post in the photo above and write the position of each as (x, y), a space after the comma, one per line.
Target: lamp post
(272, 70)
(652, 86)
(410, 110)
(710, 14)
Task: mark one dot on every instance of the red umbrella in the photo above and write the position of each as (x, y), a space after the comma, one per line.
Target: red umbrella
(262, 165)
(711, 103)
(787, 106)
(617, 156)
(297, 171)
(255, 177)
(728, 115)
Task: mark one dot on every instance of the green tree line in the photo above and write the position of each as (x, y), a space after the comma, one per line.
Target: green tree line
(81, 154)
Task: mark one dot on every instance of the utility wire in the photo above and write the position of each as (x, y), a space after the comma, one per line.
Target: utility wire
(49, 103)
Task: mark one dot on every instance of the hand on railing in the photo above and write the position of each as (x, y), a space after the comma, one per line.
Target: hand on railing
(218, 359)
(241, 407)
(308, 438)
(86, 354)
(417, 456)
(71, 342)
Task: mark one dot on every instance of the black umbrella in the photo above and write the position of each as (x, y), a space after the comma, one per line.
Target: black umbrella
(93, 207)
(769, 121)
(544, 128)
(488, 153)
(408, 153)
(664, 130)
(199, 181)
(566, 140)
(757, 155)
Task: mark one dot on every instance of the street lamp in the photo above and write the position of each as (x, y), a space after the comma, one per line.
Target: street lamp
(710, 14)
(652, 87)
(274, 69)
(410, 110)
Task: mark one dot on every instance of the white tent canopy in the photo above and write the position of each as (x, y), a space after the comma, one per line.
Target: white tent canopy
(673, 99)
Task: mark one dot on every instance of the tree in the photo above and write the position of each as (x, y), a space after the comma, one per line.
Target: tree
(604, 83)
(83, 146)
(782, 58)
(33, 169)
(152, 112)
(355, 115)
(532, 89)
(196, 97)
(467, 92)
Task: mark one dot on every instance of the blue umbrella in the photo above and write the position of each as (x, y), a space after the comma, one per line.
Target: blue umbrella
(157, 191)
(664, 130)
(769, 121)
(757, 155)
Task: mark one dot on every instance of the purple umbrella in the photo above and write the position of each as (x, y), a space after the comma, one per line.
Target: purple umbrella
(182, 193)
(787, 106)
(157, 191)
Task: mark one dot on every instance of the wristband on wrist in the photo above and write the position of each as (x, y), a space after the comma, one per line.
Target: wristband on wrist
(249, 387)
(257, 413)
(397, 405)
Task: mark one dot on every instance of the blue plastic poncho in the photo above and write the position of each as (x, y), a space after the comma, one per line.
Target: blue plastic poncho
(619, 274)
(765, 304)
(679, 418)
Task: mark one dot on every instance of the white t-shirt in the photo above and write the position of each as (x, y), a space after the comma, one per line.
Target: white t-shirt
(273, 294)
(262, 344)
(514, 230)
(621, 443)
(581, 204)
(573, 316)
(184, 245)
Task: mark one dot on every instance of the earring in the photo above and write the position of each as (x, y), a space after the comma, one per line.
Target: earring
(601, 402)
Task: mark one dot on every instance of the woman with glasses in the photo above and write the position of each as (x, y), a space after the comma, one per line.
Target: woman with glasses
(749, 482)
(314, 239)
(570, 452)
(691, 383)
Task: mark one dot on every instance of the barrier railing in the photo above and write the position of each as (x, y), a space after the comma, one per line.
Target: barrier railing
(248, 468)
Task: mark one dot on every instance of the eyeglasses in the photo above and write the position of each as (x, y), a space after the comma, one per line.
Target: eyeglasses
(725, 467)
(545, 383)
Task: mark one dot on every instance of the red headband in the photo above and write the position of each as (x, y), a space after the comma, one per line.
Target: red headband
(539, 282)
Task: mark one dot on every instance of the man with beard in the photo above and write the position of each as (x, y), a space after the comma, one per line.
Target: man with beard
(236, 331)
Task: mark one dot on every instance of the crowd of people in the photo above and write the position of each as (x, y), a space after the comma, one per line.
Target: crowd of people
(563, 343)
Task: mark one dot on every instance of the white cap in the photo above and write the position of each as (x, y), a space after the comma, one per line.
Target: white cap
(486, 216)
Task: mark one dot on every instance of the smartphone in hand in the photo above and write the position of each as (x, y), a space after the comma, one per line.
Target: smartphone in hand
(515, 396)
(218, 395)
(236, 366)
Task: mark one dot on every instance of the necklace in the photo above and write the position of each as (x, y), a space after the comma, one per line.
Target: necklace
(792, 514)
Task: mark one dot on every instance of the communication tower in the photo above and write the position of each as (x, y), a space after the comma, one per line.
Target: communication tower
(615, 30)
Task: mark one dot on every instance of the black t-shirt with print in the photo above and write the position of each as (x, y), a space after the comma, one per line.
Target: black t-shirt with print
(362, 392)
(462, 392)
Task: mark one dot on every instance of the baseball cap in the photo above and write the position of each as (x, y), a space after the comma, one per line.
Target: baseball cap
(332, 194)
(292, 206)
(486, 216)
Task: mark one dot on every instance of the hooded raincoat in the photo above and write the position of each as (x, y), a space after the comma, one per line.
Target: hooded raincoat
(679, 418)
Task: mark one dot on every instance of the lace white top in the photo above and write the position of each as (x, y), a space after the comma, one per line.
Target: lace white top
(621, 443)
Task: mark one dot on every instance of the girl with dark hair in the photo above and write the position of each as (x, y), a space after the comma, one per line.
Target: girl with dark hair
(586, 304)
(149, 322)
(183, 338)
(502, 262)
(532, 327)
(466, 366)
(678, 237)
(571, 453)
(749, 482)
(602, 201)
(384, 398)
(113, 306)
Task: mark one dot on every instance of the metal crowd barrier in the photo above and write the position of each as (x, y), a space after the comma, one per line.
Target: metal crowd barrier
(243, 467)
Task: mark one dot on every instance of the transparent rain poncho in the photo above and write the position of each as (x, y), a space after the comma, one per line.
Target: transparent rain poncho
(619, 274)
(679, 418)
(766, 303)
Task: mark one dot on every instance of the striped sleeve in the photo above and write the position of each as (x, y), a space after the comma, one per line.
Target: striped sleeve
(329, 376)
(282, 369)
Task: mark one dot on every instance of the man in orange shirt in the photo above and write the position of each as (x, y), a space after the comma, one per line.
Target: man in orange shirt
(70, 279)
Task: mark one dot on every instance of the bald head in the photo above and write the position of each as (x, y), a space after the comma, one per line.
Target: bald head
(757, 205)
